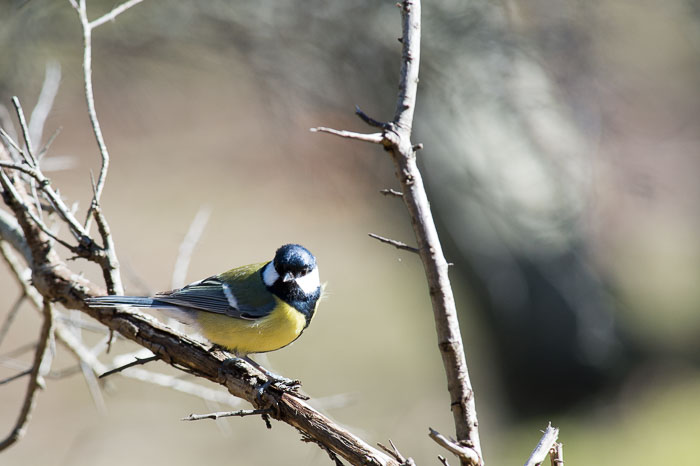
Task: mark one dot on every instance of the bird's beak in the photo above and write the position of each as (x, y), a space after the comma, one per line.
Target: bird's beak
(288, 277)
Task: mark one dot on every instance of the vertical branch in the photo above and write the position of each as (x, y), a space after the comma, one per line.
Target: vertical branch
(92, 112)
(396, 138)
(111, 266)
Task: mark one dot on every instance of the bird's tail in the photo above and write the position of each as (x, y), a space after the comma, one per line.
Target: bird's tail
(179, 313)
(135, 301)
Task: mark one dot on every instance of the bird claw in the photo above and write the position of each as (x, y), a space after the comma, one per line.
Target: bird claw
(280, 384)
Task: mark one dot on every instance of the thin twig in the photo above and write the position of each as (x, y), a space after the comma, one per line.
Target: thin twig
(35, 380)
(110, 266)
(114, 13)
(464, 453)
(305, 438)
(37, 120)
(87, 27)
(545, 444)
(220, 414)
(369, 120)
(16, 376)
(10, 189)
(30, 159)
(443, 460)
(396, 454)
(11, 314)
(391, 192)
(395, 243)
(194, 233)
(136, 362)
(556, 454)
(183, 386)
(375, 138)
(47, 146)
(44, 183)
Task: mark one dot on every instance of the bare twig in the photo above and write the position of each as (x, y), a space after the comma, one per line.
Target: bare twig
(443, 460)
(369, 120)
(396, 454)
(184, 386)
(466, 454)
(35, 380)
(11, 314)
(331, 455)
(187, 246)
(49, 89)
(10, 189)
(556, 454)
(396, 138)
(16, 376)
(395, 243)
(220, 414)
(29, 153)
(111, 16)
(391, 192)
(545, 444)
(87, 27)
(375, 138)
(45, 185)
(136, 362)
(110, 266)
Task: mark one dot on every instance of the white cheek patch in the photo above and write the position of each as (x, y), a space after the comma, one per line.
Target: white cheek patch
(310, 282)
(232, 301)
(270, 275)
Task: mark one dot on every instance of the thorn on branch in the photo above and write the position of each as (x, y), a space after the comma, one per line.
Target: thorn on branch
(369, 120)
(307, 439)
(16, 376)
(391, 192)
(396, 454)
(136, 362)
(395, 243)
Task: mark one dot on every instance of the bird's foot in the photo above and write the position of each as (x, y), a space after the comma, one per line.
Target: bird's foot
(280, 384)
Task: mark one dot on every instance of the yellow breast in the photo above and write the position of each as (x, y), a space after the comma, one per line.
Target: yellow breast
(274, 331)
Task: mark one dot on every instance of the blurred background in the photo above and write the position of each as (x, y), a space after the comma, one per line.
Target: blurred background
(562, 150)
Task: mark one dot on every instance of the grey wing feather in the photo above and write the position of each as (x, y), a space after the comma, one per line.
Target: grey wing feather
(206, 295)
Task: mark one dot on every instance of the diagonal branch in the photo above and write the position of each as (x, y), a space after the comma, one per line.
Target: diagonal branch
(35, 380)
(112, 15)
(546, 443)
(374, 138)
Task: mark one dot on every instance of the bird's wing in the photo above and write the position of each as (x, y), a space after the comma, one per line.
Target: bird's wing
(239, 293)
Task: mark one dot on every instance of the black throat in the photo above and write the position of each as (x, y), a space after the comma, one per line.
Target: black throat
(292, 294)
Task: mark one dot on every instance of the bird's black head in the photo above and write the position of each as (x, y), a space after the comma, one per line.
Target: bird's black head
(293, 261)
(293, 277)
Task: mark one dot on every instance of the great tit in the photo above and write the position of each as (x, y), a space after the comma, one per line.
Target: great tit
(250, 309)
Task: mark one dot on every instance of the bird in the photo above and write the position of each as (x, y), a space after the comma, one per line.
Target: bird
(250, 309)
